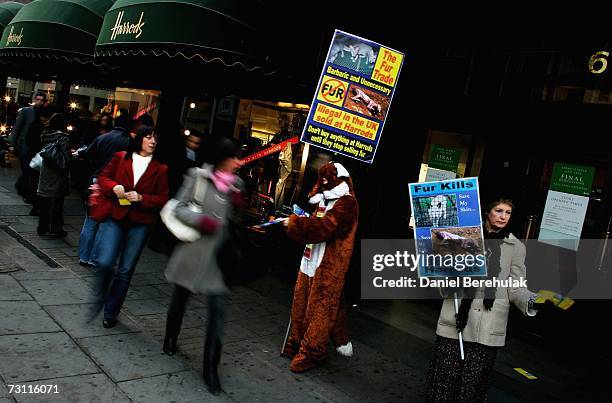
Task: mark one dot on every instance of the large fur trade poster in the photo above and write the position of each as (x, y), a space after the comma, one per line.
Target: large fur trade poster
(353, 97)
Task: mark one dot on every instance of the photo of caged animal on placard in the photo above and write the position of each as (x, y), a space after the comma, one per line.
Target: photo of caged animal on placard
(436, 211)
(353, 54)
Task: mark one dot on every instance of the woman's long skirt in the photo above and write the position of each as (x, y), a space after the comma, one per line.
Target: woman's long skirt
(452, 380)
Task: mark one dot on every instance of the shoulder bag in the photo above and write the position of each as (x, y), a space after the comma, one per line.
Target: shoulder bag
(179, 229)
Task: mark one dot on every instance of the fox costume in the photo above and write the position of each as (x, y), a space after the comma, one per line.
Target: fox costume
(318, 312)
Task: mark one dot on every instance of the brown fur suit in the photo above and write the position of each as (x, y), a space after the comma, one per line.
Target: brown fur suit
(317, 312)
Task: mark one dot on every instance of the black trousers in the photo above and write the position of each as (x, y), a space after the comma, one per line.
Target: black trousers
(216, 314)
(25, 183)
(51, 216)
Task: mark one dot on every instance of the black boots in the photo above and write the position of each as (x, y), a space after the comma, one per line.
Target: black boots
(212, 356)
(170, 345)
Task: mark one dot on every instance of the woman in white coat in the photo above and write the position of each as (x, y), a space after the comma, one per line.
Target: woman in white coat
(482, 317)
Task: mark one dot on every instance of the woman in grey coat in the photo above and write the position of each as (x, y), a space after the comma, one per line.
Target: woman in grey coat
(207, 201)
(53, 183)
(482, 318)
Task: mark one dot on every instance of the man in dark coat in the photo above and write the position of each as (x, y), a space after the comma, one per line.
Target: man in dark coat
(102, 149)
(25, 137)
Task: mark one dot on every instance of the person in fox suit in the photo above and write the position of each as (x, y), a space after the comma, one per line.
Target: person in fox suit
(138, 186)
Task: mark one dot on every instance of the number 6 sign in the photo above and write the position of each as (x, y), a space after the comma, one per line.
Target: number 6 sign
(602, 58)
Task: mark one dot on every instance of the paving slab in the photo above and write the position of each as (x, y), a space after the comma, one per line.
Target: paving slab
(154, 267)
(48, 274)
(144, 292)
(59, 292)
(130, 356)
(4, 393)
(13, 210)
(186, 386)
(251, 311)
(266, 325)
(20, 317)
(31, 357)
(86, 388)
(139, 279)
(11, 290)
(7, 264)
(23, 228)
(147, 306)
(75, 320)
(21, 255)
(264, 383)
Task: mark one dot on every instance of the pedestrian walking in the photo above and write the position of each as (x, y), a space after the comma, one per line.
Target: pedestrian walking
(135, 187)
(98, 154)
(207, 201)
(482, 318)
(26, 137)
(318, 312)
(53, 184)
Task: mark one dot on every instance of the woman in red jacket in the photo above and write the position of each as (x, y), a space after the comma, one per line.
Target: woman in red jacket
(138, 186)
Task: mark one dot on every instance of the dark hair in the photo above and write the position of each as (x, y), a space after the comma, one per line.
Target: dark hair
(146, 120)
(40, 94)
(136, 142)
(224, 148)
(124, 121)
(497, 202)
(108, 115)
(57, 122)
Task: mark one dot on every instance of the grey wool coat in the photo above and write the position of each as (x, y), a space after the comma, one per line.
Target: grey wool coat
(484, 326)
(194, 265)
(54, 182)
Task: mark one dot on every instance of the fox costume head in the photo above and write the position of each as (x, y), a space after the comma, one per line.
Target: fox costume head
(331, 175)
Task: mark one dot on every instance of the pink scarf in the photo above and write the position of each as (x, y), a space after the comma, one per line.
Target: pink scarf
(223, 180)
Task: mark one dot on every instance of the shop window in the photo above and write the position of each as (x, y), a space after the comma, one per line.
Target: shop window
(276, 178)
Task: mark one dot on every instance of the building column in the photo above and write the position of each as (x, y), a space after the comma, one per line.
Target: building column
(62, 95)
(3, 80)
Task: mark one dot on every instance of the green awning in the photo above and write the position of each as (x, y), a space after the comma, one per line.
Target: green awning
(211, 31)
(55, 29)
(8, 11)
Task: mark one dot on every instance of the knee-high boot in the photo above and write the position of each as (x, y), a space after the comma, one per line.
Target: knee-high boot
(174, 320)
(212, 356)
(212, 347)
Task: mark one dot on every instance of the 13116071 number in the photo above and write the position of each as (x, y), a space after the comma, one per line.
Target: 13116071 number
(33, 389)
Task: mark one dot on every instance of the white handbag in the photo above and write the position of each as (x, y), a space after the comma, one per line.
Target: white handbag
(179, 229)
(36, 162)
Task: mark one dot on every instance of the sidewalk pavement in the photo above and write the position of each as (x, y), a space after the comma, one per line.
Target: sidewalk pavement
(45, 340)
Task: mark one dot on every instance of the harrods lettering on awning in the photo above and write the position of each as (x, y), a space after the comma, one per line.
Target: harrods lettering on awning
(54, 29)
(210, 31)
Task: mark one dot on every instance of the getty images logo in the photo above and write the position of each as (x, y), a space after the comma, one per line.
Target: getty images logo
(124, 28)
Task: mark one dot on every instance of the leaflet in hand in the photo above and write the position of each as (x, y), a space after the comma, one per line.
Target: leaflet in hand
(559, 300)
(297, 210)
(267, 224)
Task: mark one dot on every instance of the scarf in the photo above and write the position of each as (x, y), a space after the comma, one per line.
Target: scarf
(493, 242)
(337, 192)
(223, 180)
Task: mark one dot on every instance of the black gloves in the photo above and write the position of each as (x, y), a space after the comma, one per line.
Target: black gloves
(462, 316)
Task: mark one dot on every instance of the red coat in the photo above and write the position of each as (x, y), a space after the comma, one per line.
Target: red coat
(153, 186)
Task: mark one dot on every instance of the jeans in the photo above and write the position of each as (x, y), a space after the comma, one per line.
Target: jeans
(51, 214)
(86, 240)
(176, 310)
(114, 240)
